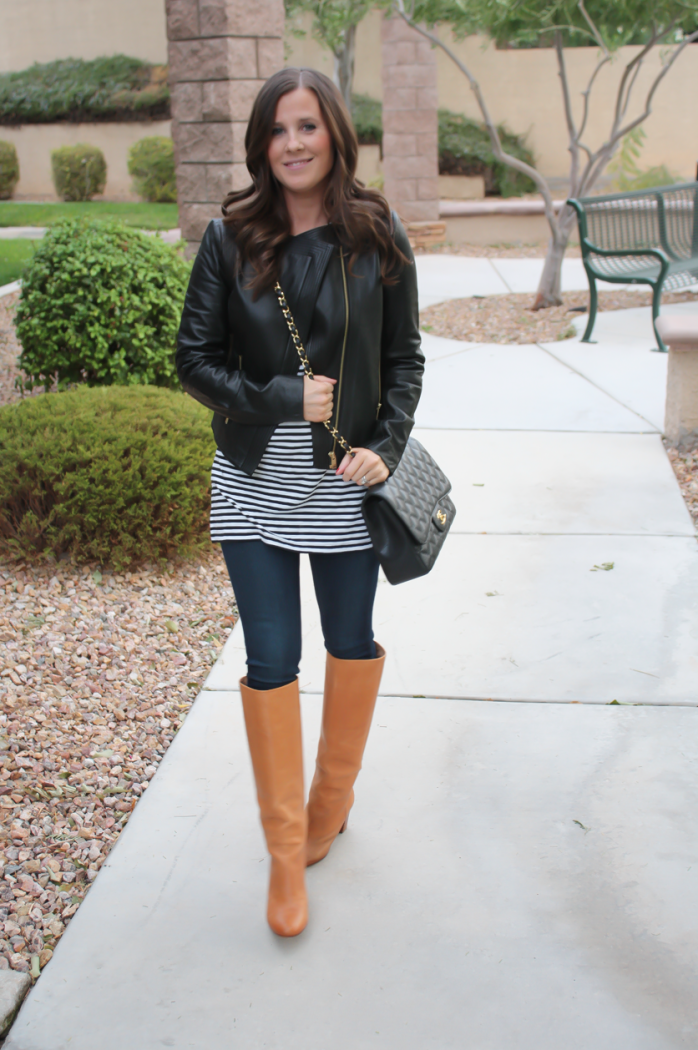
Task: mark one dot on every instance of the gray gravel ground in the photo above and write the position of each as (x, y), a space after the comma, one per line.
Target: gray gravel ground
(98, 673)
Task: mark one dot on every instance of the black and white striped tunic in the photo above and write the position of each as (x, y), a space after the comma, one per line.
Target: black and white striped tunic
(287, 502)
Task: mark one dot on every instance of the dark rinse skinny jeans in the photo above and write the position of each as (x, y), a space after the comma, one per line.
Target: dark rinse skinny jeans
(266, 581)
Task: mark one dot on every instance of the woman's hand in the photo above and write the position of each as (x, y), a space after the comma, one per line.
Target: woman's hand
(318, 394)
(364, 467)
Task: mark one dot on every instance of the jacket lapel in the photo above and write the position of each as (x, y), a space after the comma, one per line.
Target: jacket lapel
(301, 276)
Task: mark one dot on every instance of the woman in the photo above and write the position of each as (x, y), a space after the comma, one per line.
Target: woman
(280, 482)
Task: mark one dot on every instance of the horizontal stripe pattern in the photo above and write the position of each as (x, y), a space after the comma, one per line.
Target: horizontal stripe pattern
(287, 502)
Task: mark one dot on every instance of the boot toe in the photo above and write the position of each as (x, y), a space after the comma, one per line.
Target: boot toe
(288, 918)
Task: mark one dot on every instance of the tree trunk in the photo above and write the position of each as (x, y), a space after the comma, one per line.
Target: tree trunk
(549, 287)
(344, 65)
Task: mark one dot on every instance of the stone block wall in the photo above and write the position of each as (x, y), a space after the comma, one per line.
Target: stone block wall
(220, 54)
(410, 131)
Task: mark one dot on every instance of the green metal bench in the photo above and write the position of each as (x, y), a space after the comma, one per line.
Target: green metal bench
(644, 237)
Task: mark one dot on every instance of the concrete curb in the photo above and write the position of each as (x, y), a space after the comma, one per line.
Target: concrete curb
(13, 988)
(8, 289)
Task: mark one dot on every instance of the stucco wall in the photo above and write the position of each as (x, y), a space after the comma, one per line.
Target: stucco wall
(34, 143)
(42, 30)
(522, 87)
(522, 90)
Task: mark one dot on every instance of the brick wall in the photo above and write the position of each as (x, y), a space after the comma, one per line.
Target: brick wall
(410, 133)
(220, 53)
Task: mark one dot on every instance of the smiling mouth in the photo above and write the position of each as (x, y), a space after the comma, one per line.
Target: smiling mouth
(297, 163)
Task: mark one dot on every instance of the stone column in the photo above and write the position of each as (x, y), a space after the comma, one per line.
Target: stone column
(410, 134)
(220, 53)
(681, 415)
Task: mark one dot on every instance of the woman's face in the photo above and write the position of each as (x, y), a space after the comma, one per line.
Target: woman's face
(301, 152)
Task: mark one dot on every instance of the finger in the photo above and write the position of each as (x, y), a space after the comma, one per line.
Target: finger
(358, 468)
(348, 458)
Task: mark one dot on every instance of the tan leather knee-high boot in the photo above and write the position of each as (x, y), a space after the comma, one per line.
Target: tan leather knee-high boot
(273, 722)
(351, 688)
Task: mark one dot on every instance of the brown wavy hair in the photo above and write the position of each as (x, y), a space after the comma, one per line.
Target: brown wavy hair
(359, 215)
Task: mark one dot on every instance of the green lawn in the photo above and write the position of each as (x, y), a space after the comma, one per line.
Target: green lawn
(13, 256)
(145, 216)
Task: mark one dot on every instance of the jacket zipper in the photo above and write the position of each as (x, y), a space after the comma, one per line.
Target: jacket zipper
(333, 453)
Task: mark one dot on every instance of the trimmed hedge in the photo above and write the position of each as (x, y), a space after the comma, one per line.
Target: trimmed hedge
(100, 304)
(79, 172)
(73, 89)
(465, 149)
(152, 165)
(117, 476)
(9, 170)
(367, 115)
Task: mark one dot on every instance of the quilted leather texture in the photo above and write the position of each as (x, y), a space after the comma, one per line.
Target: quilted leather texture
(414, 490)
(409, 516)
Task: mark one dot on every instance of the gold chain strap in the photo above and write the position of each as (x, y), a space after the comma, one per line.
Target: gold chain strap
(286, 310)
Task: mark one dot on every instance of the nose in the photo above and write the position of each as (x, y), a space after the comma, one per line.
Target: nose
(294, 142)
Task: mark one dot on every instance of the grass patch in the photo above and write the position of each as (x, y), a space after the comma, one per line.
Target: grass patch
(14, 256)
(140, 214)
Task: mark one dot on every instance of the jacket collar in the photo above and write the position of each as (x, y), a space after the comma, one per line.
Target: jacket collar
(306, 259)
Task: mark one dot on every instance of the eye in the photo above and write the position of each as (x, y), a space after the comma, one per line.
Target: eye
(277, 131)
(309, 126)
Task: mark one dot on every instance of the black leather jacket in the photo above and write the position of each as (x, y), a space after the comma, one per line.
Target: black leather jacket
(235, 354)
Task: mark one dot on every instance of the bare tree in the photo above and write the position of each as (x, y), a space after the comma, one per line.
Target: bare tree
(510, 21)
(334, 25)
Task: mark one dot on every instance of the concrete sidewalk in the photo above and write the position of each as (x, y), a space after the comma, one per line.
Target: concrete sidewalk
(519, 873)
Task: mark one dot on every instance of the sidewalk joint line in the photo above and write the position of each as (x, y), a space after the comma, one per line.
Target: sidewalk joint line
(591, 381)
(497, 699)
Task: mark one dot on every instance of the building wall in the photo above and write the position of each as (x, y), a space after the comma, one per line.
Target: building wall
(42, 30)
(522, 91)
(521, 87)
(34, 143)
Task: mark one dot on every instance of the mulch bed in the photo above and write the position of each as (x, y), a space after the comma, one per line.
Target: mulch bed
(98, 673)
(510, 319)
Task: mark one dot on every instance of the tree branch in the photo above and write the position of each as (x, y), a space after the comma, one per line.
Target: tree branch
(585, 96)
(569, 116)
(514, 162)
(637, 60)
(604, 154)
(592, 26)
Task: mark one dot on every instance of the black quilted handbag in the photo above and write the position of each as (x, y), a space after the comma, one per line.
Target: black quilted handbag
(409, 515)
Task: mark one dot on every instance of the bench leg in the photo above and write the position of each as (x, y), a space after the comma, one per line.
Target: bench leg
(656, 300)
(593, 306)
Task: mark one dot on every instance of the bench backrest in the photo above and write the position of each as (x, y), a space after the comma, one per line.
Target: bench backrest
(664, 217)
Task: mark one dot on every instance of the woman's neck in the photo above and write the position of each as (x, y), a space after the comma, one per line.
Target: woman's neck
(306, 212)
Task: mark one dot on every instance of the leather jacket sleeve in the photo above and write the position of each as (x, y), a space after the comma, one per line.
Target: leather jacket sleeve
(205, 353)
(402, 360)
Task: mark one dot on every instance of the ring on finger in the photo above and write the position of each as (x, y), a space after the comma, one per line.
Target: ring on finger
(363, 480)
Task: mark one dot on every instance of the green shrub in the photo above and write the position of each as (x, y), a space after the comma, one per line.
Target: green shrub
(100, 304)
(465, 149)
(367, 114)
(9, 170)
(627, 173)
(79, 172)
(114, 88)
(151, 162)
(115, 475)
